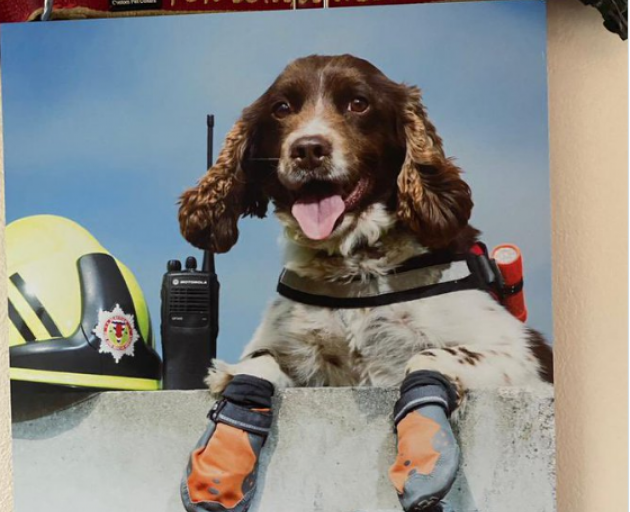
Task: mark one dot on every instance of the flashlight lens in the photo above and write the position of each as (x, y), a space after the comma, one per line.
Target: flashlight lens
(505, 255)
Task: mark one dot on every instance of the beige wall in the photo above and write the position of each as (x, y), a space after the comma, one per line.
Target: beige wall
(588, 79)
(589, 160)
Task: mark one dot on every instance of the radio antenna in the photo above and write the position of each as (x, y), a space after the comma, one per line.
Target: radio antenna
(208, 258)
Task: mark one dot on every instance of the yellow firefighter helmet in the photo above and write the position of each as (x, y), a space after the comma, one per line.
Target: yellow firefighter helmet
(78, 317)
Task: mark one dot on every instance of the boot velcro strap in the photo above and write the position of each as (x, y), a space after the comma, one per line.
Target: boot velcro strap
(425, 387)
(255, 422)
(419, 397)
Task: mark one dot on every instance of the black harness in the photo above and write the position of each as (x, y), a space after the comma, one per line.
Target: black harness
(428, 275)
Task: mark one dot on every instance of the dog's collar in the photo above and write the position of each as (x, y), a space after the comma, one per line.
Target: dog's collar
(424, 276)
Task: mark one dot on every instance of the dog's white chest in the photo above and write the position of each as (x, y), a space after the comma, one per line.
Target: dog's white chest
(371, 346)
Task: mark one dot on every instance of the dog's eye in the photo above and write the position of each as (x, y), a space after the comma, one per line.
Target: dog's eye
(358, 104)
(281, 109)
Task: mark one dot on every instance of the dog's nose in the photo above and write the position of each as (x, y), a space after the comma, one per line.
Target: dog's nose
(310, 152)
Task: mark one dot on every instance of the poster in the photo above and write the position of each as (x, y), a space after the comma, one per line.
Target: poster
(119, 132)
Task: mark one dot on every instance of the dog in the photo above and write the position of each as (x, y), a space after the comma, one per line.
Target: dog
(359, 179)
(383, 281)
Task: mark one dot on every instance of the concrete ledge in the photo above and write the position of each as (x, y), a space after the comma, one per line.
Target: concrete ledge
(329, 452)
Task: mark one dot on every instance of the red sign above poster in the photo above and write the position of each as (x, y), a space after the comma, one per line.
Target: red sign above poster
(27, 10)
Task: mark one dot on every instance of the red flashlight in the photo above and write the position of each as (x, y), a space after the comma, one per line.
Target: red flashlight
(510, 263)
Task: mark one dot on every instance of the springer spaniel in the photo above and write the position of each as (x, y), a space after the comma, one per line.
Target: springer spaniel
(358, 177)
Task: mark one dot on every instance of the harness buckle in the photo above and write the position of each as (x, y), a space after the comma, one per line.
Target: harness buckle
(216, 409)
(489, 271)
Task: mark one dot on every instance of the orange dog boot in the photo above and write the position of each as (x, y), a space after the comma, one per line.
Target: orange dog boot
(428, 453)
(221, 472)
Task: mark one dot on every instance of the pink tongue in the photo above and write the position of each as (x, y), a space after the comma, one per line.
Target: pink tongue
(317, 217)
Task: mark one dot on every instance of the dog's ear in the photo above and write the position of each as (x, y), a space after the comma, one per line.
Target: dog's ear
(209, 212)
(433, 200)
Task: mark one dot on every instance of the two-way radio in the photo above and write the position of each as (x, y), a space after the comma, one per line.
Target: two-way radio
(190, 314)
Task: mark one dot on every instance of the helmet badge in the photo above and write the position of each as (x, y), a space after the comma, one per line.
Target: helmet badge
(117, 332)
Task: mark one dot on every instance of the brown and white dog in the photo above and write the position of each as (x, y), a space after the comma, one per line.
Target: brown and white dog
(359, 179)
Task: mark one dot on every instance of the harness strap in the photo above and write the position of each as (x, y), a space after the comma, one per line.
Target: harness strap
(418, 278)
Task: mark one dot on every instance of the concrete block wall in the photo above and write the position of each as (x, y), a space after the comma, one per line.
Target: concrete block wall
(329, 451)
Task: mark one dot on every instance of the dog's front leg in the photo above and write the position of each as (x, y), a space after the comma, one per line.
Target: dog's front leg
(258, 356)
(428, 453)
(222, 470)
(491, 366)
(260, 363)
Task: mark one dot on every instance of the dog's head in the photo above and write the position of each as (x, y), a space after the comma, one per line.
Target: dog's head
(331, 137)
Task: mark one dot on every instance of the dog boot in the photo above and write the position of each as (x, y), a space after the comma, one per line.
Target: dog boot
(221, 472)
(428, 453)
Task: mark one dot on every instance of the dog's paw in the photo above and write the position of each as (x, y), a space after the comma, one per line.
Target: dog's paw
(433, 360)
(219, 376)
(441, 363)
(263, 367)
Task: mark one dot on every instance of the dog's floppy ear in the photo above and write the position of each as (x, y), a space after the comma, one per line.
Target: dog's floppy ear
(209, 212)
(433, 200)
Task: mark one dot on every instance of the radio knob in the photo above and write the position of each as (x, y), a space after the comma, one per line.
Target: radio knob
(174, 266)
(191, 263)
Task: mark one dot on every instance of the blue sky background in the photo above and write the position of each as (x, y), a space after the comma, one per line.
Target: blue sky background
(105, 124)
